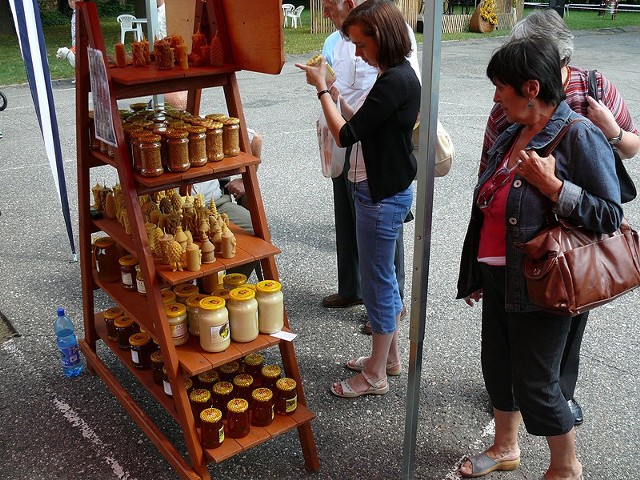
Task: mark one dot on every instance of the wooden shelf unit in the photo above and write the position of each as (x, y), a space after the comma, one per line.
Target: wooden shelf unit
(251, 42)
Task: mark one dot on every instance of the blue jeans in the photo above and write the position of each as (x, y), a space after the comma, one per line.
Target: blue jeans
(377, 229)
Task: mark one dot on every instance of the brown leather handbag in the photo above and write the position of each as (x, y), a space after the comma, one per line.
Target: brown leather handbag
(570, 270)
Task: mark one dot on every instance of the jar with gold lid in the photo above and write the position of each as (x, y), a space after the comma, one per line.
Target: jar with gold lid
(177, 318)
(146, 124)
(243, 315)
(184, 291)
(140, 345)
(229, 370)
(130, 129)
(270, 375)
(214, 325)
(286, 396)
(234, 280)
(167, 296)
(253, 365)
(157, 364)
(215, 152)
(128, 265)
(262, 407)
(231, 137)
(238, 419)
(208, 379)
(270, 306)
(150, 155)
(200, 399)
(243, 384)
(106, 256)
(178, 150)
(222, 293)
(197, 146)
(161, 131)
(110, 314)
(193, 313)
(216, 117)
(125, 327)
(211, 428)
(222, 393)
(134, 141)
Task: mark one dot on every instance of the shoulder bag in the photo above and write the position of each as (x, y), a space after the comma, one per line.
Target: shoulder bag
(570, 270)
(444, 148)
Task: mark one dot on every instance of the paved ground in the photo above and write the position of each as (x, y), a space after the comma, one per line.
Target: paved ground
(55, 428)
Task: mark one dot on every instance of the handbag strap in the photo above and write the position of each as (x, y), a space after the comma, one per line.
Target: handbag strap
(558, 138)
(593, 85)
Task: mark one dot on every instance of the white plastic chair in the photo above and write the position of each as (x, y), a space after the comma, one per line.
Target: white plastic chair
(287, 8)
(295, 16)
(127, 24)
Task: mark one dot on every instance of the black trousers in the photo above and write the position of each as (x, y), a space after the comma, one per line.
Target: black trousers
(521, 355)
(571, 356)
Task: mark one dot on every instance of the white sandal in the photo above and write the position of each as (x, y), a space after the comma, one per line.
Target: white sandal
(375, 388)
(357, 365)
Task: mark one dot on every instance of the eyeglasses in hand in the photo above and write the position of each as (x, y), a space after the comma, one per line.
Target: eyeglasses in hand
(499, 179)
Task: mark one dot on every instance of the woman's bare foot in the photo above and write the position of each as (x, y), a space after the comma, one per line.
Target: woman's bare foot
(505, 459)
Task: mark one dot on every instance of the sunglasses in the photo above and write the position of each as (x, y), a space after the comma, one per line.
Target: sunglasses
(500, 178)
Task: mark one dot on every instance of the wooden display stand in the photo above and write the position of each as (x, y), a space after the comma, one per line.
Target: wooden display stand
(251, 34)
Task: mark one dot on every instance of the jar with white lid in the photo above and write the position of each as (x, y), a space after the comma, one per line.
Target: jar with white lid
(214, 325)
(243, 315)
(270, 306)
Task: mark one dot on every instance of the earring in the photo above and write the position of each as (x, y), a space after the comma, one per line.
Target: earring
(530, 104)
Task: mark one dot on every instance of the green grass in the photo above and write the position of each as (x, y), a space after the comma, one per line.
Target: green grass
(297, 41)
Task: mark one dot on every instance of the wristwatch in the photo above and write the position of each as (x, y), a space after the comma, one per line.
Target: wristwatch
(615, 140)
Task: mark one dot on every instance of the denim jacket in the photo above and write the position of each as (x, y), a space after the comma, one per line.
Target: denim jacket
(590, 197)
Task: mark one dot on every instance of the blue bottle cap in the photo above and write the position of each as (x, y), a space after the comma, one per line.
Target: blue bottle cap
(60, 311)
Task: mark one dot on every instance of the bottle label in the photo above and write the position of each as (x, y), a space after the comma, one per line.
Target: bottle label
(127, 279)
(69, 356)
(140, 285)
(167, 388)
(221, 434)
(134, 356)
(178, 330)
(219, 333)
(291, 404)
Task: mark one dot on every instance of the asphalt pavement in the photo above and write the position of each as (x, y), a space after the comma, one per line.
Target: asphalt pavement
(52, 427)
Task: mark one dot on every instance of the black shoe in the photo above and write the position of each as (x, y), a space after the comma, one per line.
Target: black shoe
(576, 410)
(338, 301)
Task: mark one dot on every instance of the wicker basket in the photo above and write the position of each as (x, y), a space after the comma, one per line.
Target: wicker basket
(478, 25)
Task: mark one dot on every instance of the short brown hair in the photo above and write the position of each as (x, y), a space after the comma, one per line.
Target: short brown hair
(382, 20)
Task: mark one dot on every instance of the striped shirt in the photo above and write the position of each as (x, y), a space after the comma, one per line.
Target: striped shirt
(577, 92)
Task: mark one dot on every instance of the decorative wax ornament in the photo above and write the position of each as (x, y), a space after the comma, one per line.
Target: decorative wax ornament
(121, 55)
(208, 251)
(194, 257)
(174, 255)
(216, 54)
(181, 237)
(228, 243)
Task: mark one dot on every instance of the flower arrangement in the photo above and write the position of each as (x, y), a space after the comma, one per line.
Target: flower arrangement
(488, 12)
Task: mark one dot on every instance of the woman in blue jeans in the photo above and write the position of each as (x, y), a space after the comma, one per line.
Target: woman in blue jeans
(381, 171)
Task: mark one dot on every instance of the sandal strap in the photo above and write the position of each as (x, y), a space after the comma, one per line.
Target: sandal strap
(379, 384)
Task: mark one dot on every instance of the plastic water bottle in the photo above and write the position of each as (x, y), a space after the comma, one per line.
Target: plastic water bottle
(68, 345)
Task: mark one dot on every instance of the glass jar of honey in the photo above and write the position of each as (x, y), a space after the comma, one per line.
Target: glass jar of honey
(150, 155)
(193, 313)
(286, 396)
(222, 393)
(208, 379)
(270, 306)
(270, 375)
(167, 296)
(214, 325)
(238, 419)
(215, 153)
(140, 345)
(200, 399)
(178, 150)
(106, 256)
(177, 318)
(234, 280)
(262, 407)
(231, 137)
(130, 129)
(253, 365)
(128, 265)
(243, 384)
(184, 291)
(140, 286)
(157, 364)
(243, 315)
(136, 157)
(124, 329)
(229, 370)
(211, 428)
(197, 146)
(110, 314)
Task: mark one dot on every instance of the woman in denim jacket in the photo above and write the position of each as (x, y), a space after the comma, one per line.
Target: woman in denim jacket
(513, 200)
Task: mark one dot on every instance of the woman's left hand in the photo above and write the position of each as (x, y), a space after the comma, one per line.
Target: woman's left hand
(539, 171)
(315, 75)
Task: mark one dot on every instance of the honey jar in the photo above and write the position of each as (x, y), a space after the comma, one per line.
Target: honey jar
(110, 314)
(231, 137)
(243, 315)
(136, 157)
(243, 385)
(167, 296)
(124, 329)
(286, 396)
(208, 379)
(214, 325)
(197, 146)
(270, 375)
(157, 364)
(215, 152)
(228, 371)
(128, 265)
(270, 306)
(234, 280)
(177, 318)
(150, 155)
(253, 365)
(106, 256)
(184, 291)
(193, 313)
(262, 407)
(200, 399)
(238, 419)
(222, 393)
(140, 345)
(140, 286)
(211, 428)
(178, 150)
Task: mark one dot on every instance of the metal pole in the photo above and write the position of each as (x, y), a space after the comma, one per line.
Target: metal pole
(431, 53)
